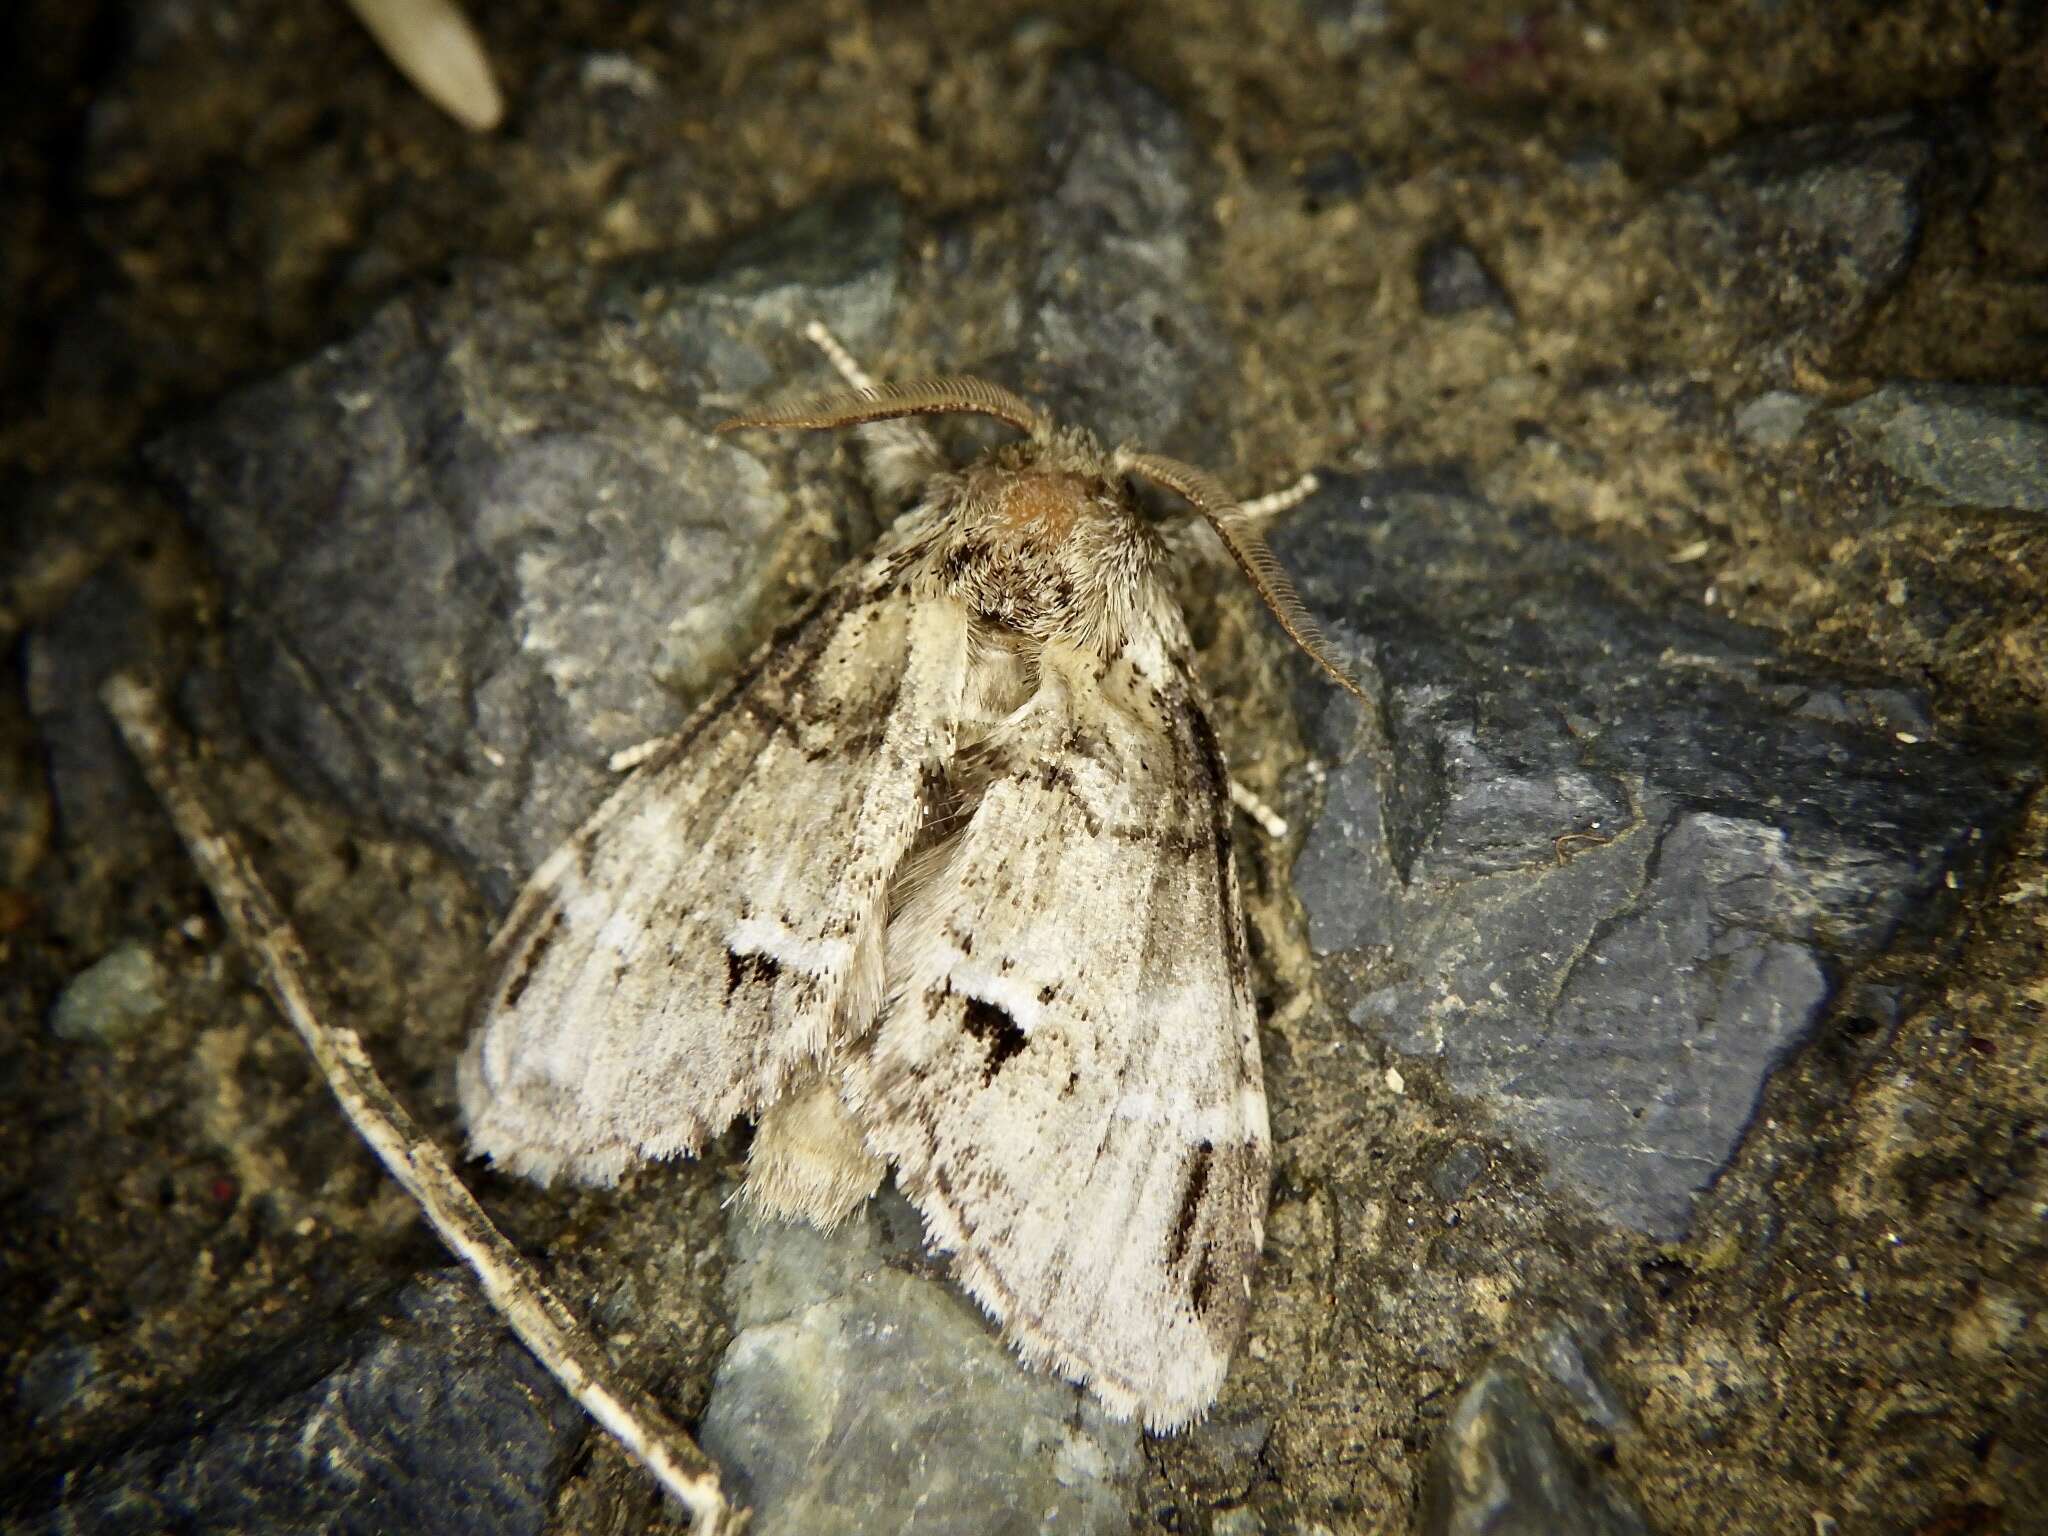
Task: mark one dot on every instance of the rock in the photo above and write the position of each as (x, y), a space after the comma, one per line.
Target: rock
(1961, 444)
(1498, 1470)
(1774, 418)
(112, 1000)
(1454, 281)
(62, 1380)
(488, 541)
(1803, 232)
(862, 1393)
(1558, 1352)
(1334, 177)
(428, 1418)
(1613, 849)
(1456, 1171)
(1120, 333)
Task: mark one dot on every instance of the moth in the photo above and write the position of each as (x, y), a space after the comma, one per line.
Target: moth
(941, 882)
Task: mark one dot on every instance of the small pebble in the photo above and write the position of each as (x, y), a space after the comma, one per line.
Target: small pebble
(113, 1000)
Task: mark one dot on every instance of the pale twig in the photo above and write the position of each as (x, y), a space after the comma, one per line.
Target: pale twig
(535, 1314)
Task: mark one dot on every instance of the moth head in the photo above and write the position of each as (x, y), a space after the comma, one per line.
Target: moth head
(962, 395)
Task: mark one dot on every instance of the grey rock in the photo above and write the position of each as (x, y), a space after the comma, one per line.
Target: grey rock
(114, 999)
(1803, 232)
(1611, 850)
(1120, 333)
(1456, 1171)
(428, 1418)
(486, 542)
(1961, 444)
(1498, 1470)
(1228, 1443)
(1454, 281)
(61, 1380)
(1334, 177)
(863, 1393)
(1557, 1351)
(1774, 418)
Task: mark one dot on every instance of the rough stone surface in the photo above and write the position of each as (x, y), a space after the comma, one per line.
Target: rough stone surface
(1960, 444)
(1454, 281)
(1614, 853)
(1117, 333)
(486, 543)
(864, 1393)
(1557, 1351)
(1802, 232)
(1774, 418)
(429, 1418)
(59, 1380)
(1498, 1470)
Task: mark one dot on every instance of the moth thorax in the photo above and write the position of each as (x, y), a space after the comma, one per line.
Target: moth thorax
(1043, 505)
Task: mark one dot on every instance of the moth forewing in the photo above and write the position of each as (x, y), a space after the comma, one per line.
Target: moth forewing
(700, 941)
(942, 882)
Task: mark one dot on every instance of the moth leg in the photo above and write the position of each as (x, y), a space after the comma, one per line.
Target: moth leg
(1270, 821)
(1264, 508)
(842, 361)
(899, 456)
(1191, 536)
(626, 759)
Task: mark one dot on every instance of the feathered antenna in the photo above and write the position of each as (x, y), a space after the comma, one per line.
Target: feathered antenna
(1247, 546)
(957, 395)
